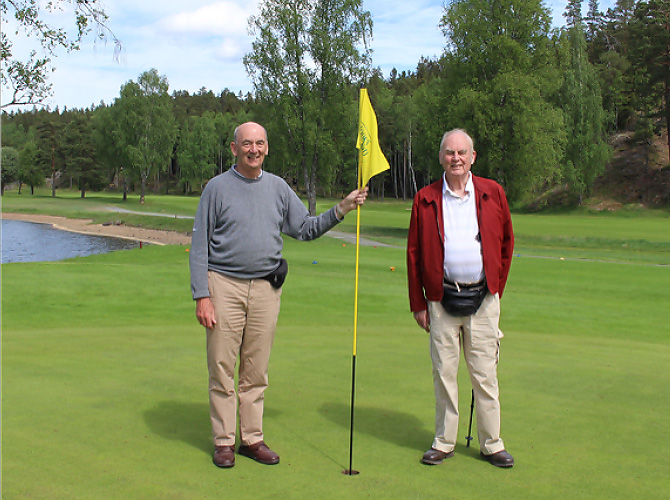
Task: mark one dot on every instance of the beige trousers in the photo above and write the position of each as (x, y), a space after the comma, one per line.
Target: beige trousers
(479, 337)
(246, 319)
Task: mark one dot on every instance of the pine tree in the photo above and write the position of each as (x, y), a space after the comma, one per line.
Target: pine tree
(586, 150)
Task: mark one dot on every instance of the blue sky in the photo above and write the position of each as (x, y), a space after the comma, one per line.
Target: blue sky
(200, 43)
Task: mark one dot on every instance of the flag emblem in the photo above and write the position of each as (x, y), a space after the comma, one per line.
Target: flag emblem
(371, 160)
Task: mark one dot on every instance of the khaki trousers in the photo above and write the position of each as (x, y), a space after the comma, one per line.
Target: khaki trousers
(246, 319)
(479, 337)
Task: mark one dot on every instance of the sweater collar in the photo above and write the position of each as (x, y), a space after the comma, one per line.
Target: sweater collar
(234, 169)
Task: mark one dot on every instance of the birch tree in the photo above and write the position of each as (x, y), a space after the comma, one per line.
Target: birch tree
(146, 126)
(306, 55)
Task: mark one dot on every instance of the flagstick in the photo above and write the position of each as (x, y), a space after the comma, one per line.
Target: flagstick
(351, 471)
(371, 161)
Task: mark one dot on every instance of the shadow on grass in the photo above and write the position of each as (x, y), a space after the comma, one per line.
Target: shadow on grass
(187, 422)
(393, 426)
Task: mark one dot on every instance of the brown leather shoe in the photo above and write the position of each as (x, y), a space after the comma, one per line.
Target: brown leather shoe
(259, 452)
(500, 459)
(224, 456)
(435, 457)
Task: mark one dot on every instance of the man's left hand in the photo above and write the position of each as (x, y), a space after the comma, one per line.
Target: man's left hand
(354, 199)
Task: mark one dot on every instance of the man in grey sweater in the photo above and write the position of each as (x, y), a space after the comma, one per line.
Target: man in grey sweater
(235, 250)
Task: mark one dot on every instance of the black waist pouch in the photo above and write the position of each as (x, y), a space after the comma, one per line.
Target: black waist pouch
(463, 300)
(277, 277)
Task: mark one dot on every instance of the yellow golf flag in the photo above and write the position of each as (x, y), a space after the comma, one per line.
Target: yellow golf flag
(371, 160)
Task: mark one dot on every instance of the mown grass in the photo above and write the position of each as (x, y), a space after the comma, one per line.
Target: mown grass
(104, 385)
(628, 236)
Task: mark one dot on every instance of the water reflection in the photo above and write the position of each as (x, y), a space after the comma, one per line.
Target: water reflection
(31, 242)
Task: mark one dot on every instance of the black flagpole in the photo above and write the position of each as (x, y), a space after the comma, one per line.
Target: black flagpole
(350, 471)
(472, 406)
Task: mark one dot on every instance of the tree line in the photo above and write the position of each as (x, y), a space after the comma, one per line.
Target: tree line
(539, 102)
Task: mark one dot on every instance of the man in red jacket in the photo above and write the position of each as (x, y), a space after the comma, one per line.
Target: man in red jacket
(459, 252)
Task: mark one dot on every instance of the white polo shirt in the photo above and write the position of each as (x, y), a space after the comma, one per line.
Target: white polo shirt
(463, 261)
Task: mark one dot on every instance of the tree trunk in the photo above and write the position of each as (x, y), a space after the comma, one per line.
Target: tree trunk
(404, 175)
(53, 173)
(311, 192)
(667, 113)
(143, 189)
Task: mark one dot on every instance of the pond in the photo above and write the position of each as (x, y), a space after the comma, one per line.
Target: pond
(31, 242)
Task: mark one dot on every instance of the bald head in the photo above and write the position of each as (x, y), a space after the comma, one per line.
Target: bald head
(250, 147)
(457, 156)
(246, 125)
(457, 131)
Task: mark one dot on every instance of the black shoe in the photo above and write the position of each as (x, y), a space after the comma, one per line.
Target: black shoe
(435, 457)
(500, 459)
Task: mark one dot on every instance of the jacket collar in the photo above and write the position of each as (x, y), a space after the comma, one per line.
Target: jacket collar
(433, 192)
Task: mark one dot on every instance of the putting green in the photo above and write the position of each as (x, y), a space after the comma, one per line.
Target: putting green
(104, 383)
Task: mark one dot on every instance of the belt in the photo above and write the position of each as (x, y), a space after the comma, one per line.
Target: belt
(465, 286)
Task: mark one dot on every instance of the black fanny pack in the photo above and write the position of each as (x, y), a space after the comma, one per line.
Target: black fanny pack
(277, 277)
(463, 300)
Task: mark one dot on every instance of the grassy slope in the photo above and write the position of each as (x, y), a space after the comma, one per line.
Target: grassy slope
(104, 376)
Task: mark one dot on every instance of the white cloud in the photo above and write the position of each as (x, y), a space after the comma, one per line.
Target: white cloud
(200, 43)
(403, 32)
(221, 18)
(231, 50)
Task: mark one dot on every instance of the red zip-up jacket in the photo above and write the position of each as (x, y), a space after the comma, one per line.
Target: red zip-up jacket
(425, 241)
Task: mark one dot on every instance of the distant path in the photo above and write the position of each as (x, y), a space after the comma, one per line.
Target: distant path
(348, 237)
(351, 238)
(598, 261)
(154, 214)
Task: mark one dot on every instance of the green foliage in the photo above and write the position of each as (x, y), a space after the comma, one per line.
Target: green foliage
(30, 172)
(146, 125)
(81, 163)
(651, 56)
(501, 93)
(15, 134)
(10, 166)
(28, 78)
(304, 60)
(492, 36)
(200, 145)
(110, 151)
(432, 102)
(519, 135)
(586, 151)
(50, 142)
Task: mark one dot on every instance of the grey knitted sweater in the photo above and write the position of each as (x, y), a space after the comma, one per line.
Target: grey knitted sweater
(238, 226)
